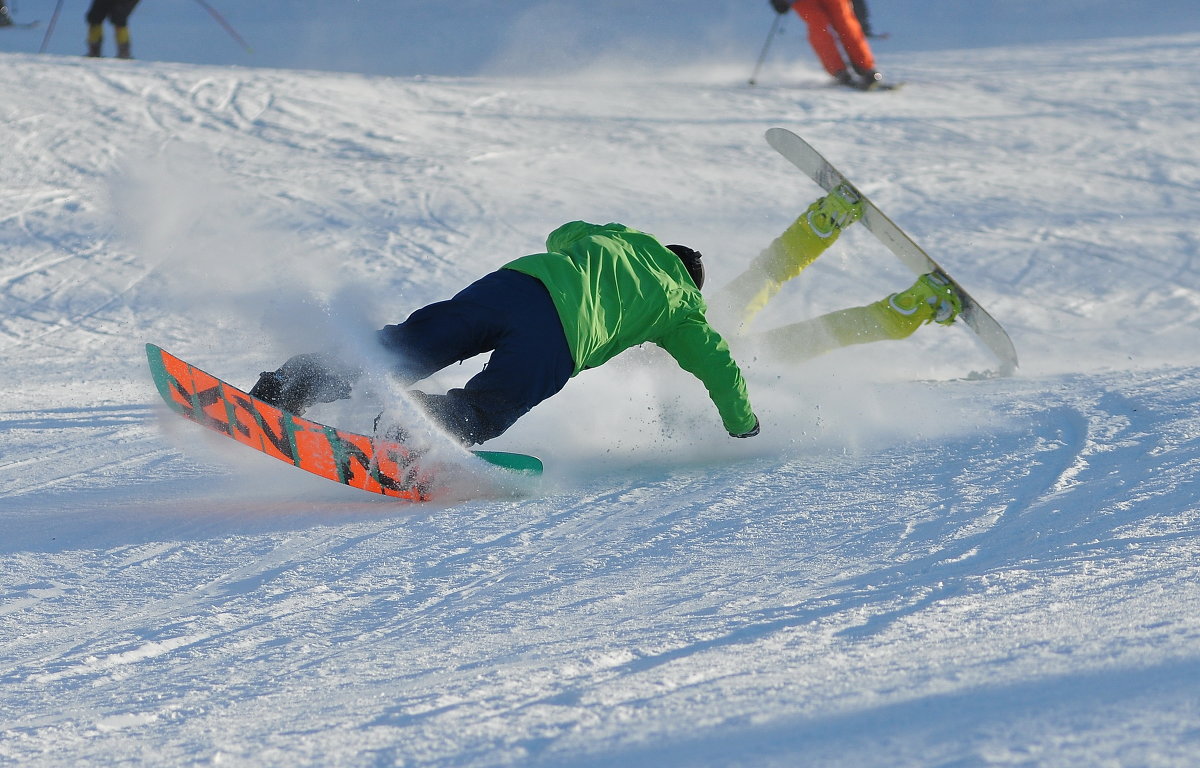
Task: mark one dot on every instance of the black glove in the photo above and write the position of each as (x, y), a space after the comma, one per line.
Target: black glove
(780, 6)
(751, 433)
(305, 380)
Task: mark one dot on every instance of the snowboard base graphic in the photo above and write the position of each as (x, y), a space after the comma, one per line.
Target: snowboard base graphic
(359, 461)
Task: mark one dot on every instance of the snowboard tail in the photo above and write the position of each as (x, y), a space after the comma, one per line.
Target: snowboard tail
(359, 461)
(801, 154)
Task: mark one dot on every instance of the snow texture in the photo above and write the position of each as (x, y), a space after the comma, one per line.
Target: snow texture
(909, 567)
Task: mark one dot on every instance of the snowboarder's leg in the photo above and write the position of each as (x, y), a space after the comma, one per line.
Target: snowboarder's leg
(530, 361)
(507, 313)
(518, 376)
(807, 238)
(431, 338)
(435, 337)
(930, 299)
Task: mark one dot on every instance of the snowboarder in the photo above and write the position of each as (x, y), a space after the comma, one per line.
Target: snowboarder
(595, 292)
(897, 316)
(116, 11)
(5, 18)
(822, 15)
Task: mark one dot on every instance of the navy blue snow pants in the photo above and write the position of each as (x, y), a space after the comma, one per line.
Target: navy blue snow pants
(507, 313)
(116, 11)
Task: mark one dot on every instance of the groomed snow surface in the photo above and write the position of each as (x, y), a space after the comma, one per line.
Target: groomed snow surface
(909, 567)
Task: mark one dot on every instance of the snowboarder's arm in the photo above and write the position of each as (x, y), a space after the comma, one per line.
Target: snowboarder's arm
(702, 352)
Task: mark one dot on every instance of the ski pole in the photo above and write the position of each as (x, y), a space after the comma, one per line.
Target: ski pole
(775, 29)
(224, 24)
(50, 26)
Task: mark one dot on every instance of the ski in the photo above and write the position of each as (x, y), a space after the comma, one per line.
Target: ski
(870, 87)
(801, 154)
(379, 466)
(882, 87)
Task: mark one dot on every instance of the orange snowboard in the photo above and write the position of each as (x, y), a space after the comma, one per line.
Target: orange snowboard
(359, 461)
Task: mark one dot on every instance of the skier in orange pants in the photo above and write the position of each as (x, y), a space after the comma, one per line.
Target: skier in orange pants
(823, 15)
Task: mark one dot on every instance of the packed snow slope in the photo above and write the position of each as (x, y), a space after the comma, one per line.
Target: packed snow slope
(909, 567)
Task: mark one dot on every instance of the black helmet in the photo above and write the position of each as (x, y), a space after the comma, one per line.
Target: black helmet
(691, 261)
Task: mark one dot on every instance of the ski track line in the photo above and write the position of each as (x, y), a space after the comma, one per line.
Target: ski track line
(128, 431)
(55, 301)
(282, 556)
(978, 539)
(34, 201)
(73, 477)
(25, 270)
(1094, 443)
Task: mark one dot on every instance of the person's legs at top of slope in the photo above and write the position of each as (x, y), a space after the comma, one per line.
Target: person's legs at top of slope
(822, 15)
(823, 43)
(117, 12)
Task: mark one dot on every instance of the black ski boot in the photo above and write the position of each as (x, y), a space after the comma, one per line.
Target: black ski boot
(95, 40)
(870, 79)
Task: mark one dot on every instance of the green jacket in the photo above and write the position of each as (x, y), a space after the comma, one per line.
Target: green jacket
(616, 288)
